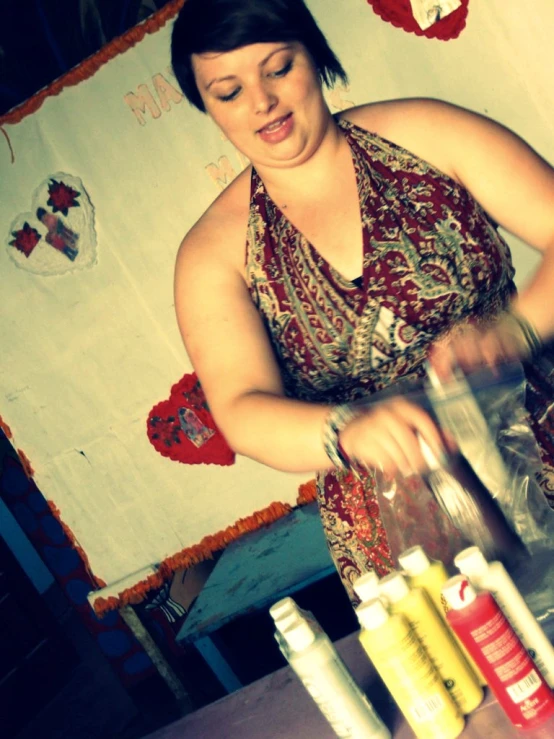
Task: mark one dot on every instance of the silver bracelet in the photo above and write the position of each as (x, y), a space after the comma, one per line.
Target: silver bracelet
(338, 417)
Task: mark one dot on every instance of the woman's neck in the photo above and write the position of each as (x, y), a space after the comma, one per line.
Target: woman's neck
(297, 182)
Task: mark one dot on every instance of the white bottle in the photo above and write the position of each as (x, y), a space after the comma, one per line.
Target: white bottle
(286, 612)
(322, 672)
(492, 576)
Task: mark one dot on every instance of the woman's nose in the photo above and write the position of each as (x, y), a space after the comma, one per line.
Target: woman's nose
(264, 99)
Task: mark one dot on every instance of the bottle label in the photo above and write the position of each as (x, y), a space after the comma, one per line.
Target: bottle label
(502, 649)
(411, 667)
(519, 687)
(505, 606)
(425, 710)
(328, 710)
(523, 689)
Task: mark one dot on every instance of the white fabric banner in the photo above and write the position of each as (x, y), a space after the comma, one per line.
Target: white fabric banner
(108, 176)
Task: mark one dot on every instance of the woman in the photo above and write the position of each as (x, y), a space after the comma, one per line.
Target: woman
(353, 249)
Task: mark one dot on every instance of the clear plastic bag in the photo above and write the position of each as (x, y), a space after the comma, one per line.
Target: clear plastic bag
(486, 415)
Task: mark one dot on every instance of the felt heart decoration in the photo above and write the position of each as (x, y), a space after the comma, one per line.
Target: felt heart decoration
(183, 429)
(57, 235)
(399, 13)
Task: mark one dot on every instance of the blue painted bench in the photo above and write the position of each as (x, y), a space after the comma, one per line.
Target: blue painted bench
(253, 573)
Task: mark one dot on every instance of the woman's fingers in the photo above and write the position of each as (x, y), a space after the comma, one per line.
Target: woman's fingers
(392, 448)
(407, 423)
(473, 348)
(386, 437)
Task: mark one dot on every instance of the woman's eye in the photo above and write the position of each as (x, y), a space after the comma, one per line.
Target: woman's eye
(231, 96)
(283, 71)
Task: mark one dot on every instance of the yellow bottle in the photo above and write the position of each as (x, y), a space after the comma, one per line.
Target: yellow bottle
(406, 670)
(430, 576)
(438, 641)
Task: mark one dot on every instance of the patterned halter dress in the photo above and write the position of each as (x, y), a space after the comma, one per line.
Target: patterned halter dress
(432, 259)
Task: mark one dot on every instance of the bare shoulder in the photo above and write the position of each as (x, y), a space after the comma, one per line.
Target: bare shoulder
(510, 180)
(219, 235)
(429, 128)
(386, 112)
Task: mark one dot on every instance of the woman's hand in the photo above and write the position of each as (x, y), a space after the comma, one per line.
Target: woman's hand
(386, 437)
(470, 348)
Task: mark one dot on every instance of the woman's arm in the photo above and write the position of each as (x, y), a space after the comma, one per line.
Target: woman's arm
(516, 187)
(228, 347)
(231, 353)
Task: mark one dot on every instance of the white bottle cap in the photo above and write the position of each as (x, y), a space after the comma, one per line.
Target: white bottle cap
(367, 586)
(394, 587)
(414, 561)
(282, 608)
(458, 592)
(299, 636)
(372, 614)
(285, 613)
(471, 562)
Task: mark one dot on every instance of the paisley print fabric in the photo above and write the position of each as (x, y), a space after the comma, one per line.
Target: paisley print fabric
(432, 259)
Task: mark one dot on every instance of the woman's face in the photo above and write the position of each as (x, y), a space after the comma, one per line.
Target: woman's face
(267, 100)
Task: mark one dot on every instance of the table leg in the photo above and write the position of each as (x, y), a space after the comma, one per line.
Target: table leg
(218, 664)
(161, 664)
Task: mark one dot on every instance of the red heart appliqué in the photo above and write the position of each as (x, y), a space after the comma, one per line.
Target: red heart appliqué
(399, 13)
(182, 427)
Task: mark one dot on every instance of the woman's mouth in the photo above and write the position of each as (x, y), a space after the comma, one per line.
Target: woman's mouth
(277, 130)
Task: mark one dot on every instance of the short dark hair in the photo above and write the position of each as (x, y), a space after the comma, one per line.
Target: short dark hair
(224, 25)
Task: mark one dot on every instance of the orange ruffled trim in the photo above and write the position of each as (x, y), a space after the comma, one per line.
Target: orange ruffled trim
(90, 66)
(307, 493)
(204, 550)
(23, 458)
(25, 463)
(29, 471)
(190, 556)
(5, 428)
(74, 543)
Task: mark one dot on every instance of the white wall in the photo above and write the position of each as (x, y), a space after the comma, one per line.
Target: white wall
(88, 352)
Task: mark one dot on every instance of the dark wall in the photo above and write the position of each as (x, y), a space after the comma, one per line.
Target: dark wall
(42, 39)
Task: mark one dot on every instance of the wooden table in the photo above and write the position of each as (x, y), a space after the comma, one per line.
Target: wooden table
(278, 707)
(253, 573)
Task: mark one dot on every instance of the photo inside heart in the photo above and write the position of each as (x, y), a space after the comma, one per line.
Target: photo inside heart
(399, 13)
(57, 234)
(182, 428)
